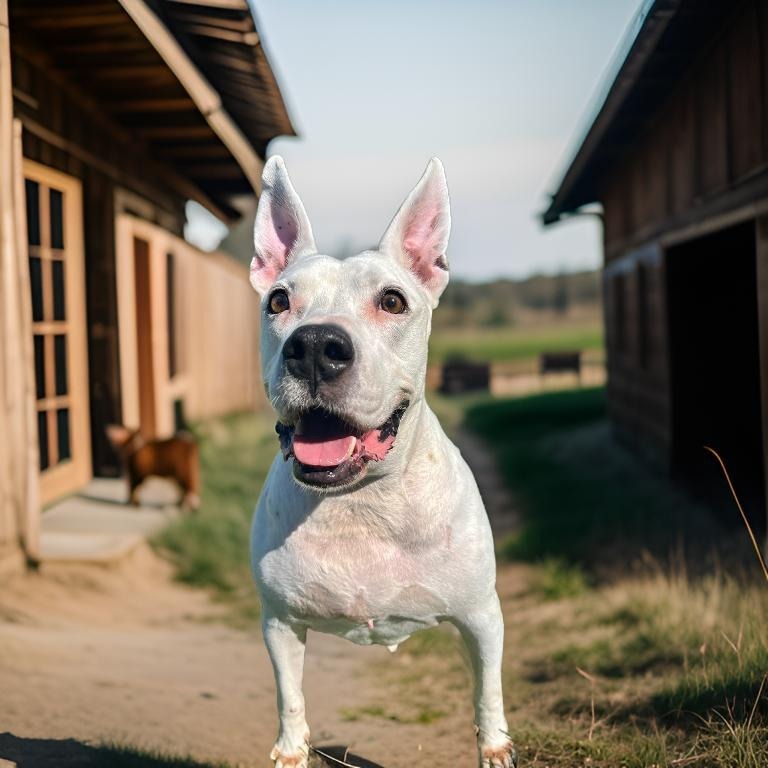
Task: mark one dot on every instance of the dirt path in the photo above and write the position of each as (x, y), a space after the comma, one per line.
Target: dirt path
(127, 656)
(499, 503)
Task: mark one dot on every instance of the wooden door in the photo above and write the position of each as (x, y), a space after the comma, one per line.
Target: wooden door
(57, 281)
(144, 337)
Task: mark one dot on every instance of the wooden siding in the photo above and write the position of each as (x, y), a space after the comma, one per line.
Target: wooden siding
(704, 152)
(708, 138)
(216, 322)
(636, 343)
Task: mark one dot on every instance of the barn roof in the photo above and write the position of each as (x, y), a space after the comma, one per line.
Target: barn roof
(660, 45)
(188, 80)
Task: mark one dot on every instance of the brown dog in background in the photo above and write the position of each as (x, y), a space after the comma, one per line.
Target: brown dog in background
(177, 458)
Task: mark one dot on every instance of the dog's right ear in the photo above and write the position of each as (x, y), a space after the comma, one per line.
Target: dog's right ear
(418, 235)
(282, 232)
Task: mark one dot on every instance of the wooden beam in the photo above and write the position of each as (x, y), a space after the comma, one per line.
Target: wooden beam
(101, 46)
(121, 71)
(230, 61)
(205, 30)
(62, 9)
(182, 186)
(175, 132)
(46, 20)
(195, 151)
(206, 98)
(182, 104)
(244, 24)
(214, 171)
(232, 5)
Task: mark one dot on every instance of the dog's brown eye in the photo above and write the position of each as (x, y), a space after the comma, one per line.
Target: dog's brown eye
(278, 302)
(393, 303)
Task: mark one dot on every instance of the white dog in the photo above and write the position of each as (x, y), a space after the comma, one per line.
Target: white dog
(370, 525)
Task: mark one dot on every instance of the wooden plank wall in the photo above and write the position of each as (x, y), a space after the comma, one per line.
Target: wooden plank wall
(218, 334)
(216, 324)
(709, 137)
(636, 340)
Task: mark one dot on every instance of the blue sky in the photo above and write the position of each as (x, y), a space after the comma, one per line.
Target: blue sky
(500, 91)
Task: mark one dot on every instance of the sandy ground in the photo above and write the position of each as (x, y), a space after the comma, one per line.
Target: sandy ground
(126, 655)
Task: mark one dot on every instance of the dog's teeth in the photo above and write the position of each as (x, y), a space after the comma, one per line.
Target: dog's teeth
(392, 648)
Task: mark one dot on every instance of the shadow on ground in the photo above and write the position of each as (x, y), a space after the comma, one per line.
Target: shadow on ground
(332, 757)
(70, 753)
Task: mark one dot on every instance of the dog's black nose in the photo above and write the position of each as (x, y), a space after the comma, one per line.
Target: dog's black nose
(318, 353)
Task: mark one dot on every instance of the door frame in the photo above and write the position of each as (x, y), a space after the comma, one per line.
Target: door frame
(74, 473)
(146, 373)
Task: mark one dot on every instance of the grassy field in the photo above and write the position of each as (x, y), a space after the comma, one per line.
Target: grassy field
(655, 664)
(585, 498)
(210, 548)
(652, 671)
(515, 343)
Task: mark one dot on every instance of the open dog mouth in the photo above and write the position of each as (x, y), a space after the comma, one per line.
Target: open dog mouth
(330, 452)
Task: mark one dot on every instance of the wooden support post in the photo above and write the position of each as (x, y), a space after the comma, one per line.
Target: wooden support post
(12, 490)
(8, 530)
(761, 245)
(29, 462)
(19, 508)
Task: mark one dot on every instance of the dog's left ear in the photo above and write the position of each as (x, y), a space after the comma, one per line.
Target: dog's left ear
(282, 232)
(418, 235)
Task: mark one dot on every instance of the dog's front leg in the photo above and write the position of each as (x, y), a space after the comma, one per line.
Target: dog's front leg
(285, 644)
(483, 633)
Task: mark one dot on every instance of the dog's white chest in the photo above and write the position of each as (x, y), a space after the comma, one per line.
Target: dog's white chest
(357, 586)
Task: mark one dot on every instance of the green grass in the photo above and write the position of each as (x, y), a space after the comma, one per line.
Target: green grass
(717, 744)
(676, 662)
(436, 641)
(581, 493)
(421, 715)
(512, 343)
(557, 579)
(210, 547)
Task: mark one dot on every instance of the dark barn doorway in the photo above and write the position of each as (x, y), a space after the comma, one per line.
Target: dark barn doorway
(715, 374)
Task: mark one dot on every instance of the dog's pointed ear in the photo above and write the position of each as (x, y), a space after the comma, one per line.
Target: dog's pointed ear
(418, 235)
(282, 232)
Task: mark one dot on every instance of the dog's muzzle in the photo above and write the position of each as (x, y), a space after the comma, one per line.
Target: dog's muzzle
(329, 452)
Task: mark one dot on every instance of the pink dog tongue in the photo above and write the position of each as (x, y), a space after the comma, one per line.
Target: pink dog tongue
(374, 447)
(323, 453)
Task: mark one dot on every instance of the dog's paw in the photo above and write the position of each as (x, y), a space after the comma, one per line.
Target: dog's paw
(285, 757)
(497, 753)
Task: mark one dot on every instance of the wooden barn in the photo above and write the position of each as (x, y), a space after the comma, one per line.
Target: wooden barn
(677, 156)
(113, 114)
